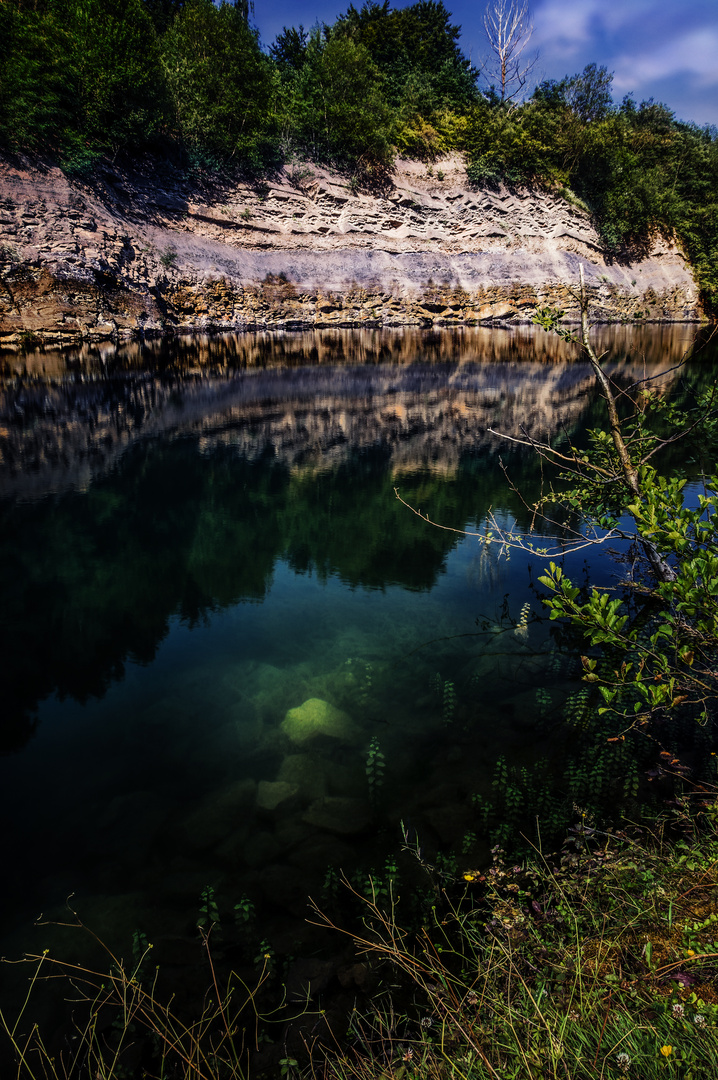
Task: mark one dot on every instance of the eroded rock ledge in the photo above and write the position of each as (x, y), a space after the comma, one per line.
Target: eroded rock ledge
(154, 251)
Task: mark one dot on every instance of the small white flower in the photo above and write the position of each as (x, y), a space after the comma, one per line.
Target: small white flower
(426, 1021)
(678, 1009)
(623, 1061)
(699, 1020)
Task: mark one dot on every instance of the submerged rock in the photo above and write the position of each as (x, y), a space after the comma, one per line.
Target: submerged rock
(337, 815)
(307, 772)
(221, 814)
(317, 717)
(276, 795)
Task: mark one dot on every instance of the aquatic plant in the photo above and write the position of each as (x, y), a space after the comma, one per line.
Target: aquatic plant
(445, 693)
(330, 886)
(378, 886)
(244, 912)
(522, 626)
(361, 672)
(543, 700)
(375, 766)
(208, 912)
(448, 702)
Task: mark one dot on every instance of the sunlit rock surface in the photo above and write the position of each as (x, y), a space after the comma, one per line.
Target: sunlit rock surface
(316, 717)
(155, 251)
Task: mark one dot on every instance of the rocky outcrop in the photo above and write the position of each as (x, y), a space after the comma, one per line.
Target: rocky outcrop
(132, 254)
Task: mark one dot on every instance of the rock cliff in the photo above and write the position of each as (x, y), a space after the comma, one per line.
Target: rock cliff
(155, 250)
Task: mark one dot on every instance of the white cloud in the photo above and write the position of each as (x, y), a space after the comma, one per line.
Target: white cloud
(694, 54)
(561, 26)
(640, 40)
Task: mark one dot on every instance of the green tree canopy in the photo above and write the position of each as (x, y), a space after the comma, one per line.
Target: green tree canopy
(337, 102)
(221, 84)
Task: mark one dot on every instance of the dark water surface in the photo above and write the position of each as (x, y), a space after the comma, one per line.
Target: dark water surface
(197, 537)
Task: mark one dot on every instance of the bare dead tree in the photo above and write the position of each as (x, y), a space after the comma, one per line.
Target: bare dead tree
(508, 28)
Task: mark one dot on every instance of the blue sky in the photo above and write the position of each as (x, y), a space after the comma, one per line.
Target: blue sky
(666, 50)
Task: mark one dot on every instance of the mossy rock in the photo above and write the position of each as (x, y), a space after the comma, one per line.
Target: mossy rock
(317, 717)
(337, 815)
(307, 771)
(276, 795)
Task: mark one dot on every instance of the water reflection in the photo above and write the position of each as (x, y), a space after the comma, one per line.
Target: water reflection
(189, 551)
(67, 417)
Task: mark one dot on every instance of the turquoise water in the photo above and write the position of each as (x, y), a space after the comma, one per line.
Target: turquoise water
(196, 542)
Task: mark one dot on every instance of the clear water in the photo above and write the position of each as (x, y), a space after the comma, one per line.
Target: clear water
(197, 538)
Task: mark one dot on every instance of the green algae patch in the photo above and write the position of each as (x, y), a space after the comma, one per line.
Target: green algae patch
(317, 717)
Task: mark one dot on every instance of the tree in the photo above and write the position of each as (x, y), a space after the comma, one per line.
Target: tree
(115, 55)
(337, 104)
(654, 649)
(416, 48)
(222, 84)
(508, 31)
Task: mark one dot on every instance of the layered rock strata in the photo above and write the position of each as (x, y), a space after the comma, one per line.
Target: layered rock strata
(151, 251)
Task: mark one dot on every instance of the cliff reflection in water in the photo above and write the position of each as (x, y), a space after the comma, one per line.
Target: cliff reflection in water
(176, 489)
(67, 417)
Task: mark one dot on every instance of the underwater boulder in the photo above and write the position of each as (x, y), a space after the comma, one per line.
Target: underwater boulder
(317, 717)
(337, 815)
(276, 796)
(307, 771)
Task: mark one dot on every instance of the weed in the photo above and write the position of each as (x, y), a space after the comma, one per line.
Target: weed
(468, 843)
(168, 258)
(265, 959)
(29, 340)
(299, 174)
(540, 971)
(119, 1019)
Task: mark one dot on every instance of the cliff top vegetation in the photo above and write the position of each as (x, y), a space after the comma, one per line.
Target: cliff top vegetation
(190, 80)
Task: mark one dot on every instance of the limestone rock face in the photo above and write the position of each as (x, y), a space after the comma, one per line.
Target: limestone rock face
(136, 252)
(316, 717)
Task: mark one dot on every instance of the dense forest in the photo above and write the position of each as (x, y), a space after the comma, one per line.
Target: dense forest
(81, 79)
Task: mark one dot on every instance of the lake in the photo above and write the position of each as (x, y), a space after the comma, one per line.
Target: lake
(231, 658)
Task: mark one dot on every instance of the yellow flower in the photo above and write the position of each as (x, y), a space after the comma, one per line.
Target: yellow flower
(666, 1051)
(690, 952)
(470, 876)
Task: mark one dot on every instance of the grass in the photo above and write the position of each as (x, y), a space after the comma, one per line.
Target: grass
(597, 962)
(122, 1029)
